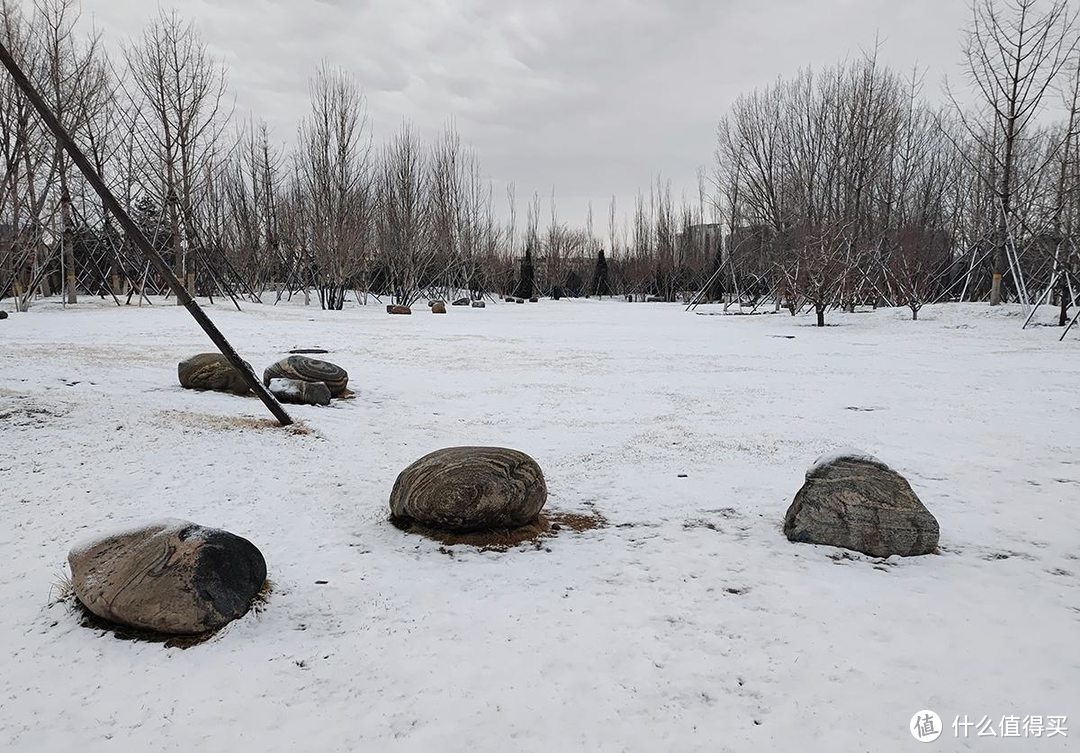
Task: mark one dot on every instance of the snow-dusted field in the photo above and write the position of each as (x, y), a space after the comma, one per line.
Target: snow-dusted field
(688, 624)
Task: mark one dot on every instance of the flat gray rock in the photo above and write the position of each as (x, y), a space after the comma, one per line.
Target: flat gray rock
(306, 369)
(463, 489)
(856, 502)
(171, 577)
(211, 371)
(299, 392)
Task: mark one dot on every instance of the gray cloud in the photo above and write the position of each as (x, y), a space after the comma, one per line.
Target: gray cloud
(593, 98)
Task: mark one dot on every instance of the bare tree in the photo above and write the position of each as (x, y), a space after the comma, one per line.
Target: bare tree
(333, 170)
(1014, 51)
(181, 112)
(406, 240)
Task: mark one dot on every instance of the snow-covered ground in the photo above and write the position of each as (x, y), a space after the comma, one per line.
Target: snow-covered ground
(688, 624)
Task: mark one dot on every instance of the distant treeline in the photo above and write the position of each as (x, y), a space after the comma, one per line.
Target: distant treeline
(832, 187)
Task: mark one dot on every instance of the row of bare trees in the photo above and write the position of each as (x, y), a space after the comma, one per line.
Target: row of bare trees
(230, 208)
(845, 187)
(831, 188)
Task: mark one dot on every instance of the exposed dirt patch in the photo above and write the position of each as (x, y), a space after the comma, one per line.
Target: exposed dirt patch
(546, 526)
(211, 421)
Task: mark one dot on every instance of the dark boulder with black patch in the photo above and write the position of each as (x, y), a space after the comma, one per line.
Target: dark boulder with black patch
(307, 369)
(478, 304)
(299, 392)
(460, 302)
(856, 502)
(211, 371)
(463, 489)
(3, 314)
(172, 577)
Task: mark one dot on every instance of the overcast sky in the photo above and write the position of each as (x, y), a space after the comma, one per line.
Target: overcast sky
(591, 97)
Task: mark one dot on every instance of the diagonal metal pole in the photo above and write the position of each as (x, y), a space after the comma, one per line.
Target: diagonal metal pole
(136, 235)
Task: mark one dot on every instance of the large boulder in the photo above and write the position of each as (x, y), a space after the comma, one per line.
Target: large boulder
(211, 371)
(3, 314)
(394, 309)
(464, 489)
(438, 307)
(299, 392)
(856, 502)
(307, 369)
(170, 577)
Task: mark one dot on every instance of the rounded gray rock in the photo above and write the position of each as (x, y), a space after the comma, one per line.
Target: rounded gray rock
(307, 369)
(463, 489)
(299, 392)
(211, 371)
(172, 577)
(859, 503)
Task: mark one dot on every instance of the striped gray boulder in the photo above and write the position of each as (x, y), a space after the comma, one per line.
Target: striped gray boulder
(307, 369)
(211, 371)
(859, 503)
(463, 489)
(171, 577)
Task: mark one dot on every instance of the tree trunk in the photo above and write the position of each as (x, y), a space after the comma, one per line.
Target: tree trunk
(67, 240)
(177, 243)
(1063, 317)
(820, 315)
(995, 288)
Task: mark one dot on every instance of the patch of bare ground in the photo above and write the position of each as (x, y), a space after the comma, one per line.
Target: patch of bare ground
(210, 421)
(546, 526)
(92, 621)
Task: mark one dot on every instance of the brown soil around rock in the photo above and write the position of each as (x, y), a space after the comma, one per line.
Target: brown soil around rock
(546, 526)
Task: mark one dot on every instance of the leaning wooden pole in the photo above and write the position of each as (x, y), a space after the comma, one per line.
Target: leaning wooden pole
(136, 235)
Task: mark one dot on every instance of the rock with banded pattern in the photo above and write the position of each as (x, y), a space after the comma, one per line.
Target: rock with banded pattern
(307, 369)
(854, 501)
(172, 577)
(464, 489)
(211, 371)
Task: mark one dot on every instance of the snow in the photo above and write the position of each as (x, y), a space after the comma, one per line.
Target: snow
(285, 387)
(687, 624)
(164, 526)
(843, 453)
